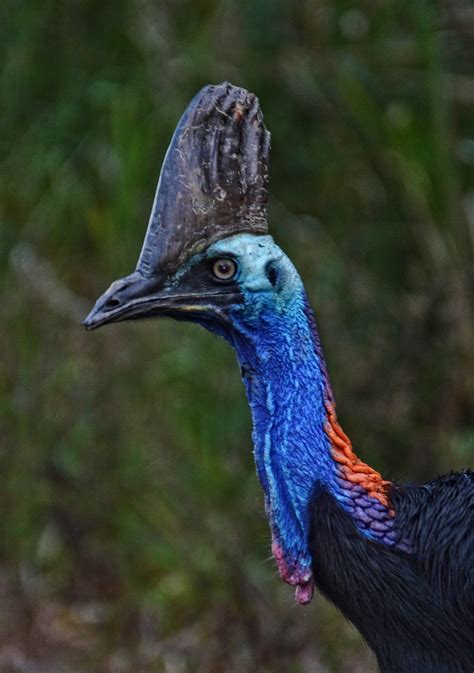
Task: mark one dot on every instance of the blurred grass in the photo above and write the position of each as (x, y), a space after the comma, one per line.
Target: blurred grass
(132, 530)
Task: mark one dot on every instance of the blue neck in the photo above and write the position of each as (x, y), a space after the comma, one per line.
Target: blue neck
(297, 447)
(287, 387)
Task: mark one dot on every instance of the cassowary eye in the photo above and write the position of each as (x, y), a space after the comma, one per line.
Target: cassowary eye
(224, 269)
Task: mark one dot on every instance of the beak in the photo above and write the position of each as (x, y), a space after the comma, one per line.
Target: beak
(137, 296)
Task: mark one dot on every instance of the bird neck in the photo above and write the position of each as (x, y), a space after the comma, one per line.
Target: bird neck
(299, 446)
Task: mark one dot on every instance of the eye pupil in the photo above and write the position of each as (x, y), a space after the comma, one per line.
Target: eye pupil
(224, 269)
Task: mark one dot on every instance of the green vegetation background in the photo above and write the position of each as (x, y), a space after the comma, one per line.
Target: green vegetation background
(132, 533)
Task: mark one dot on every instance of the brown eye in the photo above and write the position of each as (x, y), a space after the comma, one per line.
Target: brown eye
(224, 269)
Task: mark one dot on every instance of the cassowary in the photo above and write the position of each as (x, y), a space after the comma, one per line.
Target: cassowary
(397, 560)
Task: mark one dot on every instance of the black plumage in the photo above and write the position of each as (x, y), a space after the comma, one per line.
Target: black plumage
(416, 611)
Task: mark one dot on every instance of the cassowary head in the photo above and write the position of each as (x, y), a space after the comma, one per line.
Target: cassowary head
(207, 256)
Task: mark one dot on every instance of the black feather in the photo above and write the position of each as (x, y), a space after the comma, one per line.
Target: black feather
(416, 611)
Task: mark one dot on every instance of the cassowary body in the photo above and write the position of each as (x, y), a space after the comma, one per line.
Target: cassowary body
(396, 560)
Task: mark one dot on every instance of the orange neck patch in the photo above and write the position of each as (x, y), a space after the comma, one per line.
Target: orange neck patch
(352, 469)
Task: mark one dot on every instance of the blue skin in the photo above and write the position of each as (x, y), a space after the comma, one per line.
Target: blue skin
(286, 383)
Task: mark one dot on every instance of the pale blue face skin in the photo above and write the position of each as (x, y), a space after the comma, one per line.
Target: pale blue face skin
(253, 255)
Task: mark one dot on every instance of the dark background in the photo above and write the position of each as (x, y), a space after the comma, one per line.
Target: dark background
(132, 533)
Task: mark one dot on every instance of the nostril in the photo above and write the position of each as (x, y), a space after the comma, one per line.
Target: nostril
(112, 303)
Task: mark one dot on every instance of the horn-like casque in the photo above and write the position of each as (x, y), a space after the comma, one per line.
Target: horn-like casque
(213, 182)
